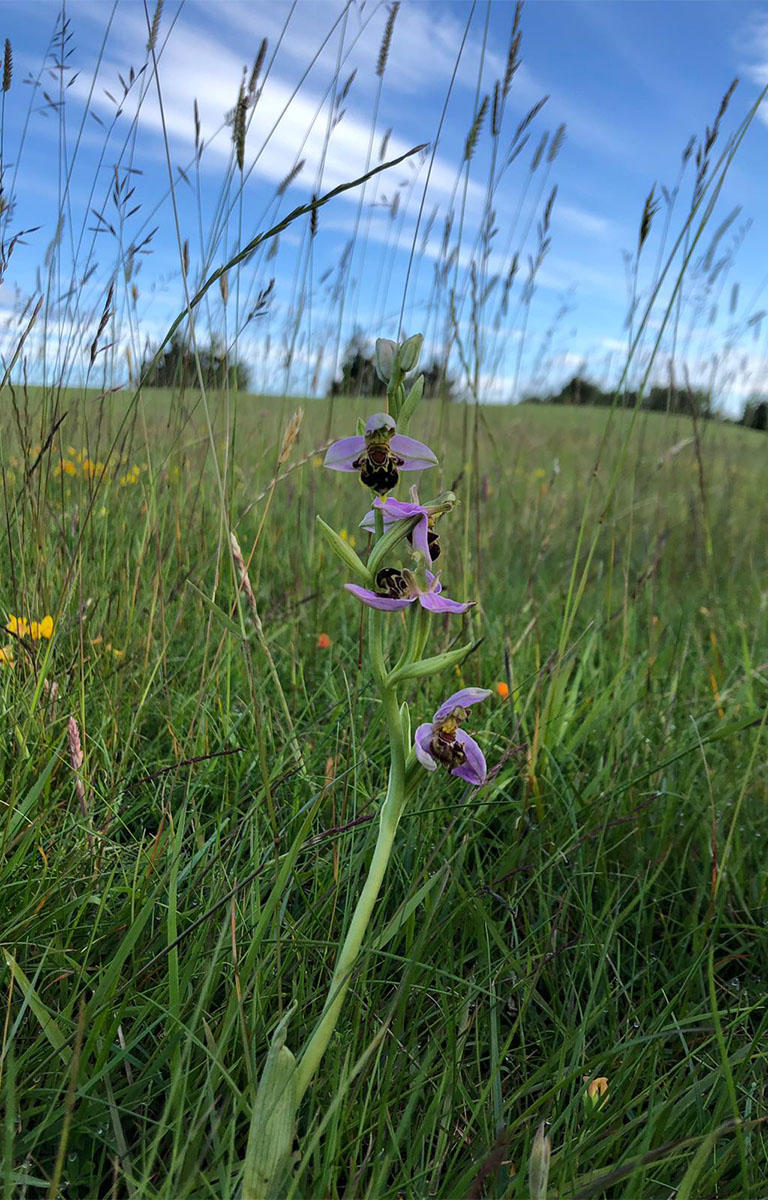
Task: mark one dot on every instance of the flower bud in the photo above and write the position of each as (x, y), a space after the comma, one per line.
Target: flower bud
(408, 354)
(386, 350)
(595, 1094)
(538, 1164)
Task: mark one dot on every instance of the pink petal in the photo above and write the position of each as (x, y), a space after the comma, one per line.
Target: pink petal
(474, 769)
(422, 739)
(374, 600)
(342, 454)
(464, 698)
(418, 457)
(440, 604)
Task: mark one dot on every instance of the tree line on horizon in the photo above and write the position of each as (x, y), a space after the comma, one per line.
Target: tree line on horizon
(178, 366)
(680, 401)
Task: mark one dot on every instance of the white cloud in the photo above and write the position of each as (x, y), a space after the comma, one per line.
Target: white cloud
(284, 127)
(581, 221)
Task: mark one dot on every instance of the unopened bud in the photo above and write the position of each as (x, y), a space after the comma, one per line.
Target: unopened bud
(386, 350)
(538, 1165)
(595, 1094)
(408, 354)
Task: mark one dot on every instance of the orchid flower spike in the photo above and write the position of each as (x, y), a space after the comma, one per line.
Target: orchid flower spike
(423, 536)
(397, 589)
(441, 740)
(380, 454)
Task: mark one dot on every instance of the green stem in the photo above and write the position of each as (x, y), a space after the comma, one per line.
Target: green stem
(389, 818)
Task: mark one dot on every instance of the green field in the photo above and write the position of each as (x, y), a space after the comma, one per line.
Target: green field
(597, 909)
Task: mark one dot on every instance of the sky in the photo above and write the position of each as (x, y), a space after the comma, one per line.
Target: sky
(103, 180)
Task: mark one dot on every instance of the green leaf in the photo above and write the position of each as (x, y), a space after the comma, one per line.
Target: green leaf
(46, 1021)
(222, 617)
(345, 552)
(396, 533)
(30, 801)
(411, 403)
(431, 666)
(269, 1152)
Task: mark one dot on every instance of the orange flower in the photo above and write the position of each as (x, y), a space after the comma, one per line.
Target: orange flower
(323, 641)
(502, 689)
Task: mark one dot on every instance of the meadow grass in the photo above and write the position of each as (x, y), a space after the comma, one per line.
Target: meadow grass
(192, 773)
(596, 910)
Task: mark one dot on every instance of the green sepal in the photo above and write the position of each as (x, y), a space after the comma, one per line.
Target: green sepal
(405, 722)
(345, 552)
(411, 403)
(431, 666)
(396, 533)
(409, 352)
(269, 1153)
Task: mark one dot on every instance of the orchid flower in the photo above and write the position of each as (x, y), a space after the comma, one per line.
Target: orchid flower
(441, 740)
(380, 454)
(423, 536)
(398, 589)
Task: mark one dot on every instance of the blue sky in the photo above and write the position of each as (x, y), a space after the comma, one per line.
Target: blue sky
(631, 82)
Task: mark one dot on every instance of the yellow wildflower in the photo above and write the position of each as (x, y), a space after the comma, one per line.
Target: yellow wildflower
(42, 629)
(34, 629)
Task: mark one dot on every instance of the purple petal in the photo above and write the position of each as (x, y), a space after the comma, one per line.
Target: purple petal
(474, 769)
(464, 698)
(420, 537)
(398, 510)
(418, 457)
(440, 604)
(342, 454)
(422, 740)
(374, 600)
(369, 521)
(434, 583)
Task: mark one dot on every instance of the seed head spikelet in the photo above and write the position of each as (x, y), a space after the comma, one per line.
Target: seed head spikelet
(496, 110)
(154, 28)
(238, 126)
(474, 130)
(7, 66)
(381, 63)
(76, 759)
(513, 53)
(650, 208)
(556, 143)
(539, 152)
(286, 182)
(290, 436)
(258, 63)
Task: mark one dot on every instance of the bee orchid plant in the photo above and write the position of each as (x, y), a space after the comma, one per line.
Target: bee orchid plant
(378, 453)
